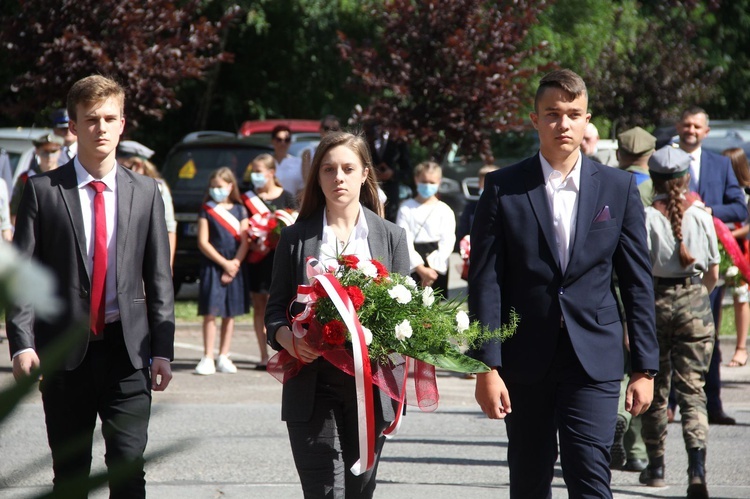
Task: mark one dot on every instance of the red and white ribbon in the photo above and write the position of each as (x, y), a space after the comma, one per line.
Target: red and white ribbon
(224, 218)
(254, 204)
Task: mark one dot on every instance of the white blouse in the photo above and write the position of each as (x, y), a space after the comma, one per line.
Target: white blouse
(427, 223)
(331, 247)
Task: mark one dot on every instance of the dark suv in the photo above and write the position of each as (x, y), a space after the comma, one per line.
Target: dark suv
(187, 168)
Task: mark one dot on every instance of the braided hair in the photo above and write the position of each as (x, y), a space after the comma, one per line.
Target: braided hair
(676, 205)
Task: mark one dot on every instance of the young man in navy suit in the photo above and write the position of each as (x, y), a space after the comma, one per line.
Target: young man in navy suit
(547, 235)
(712, 177)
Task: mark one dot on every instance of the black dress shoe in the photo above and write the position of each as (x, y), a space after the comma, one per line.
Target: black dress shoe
(721, 418)
(635, 464)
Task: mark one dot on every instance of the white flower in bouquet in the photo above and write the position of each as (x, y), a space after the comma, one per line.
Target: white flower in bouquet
(410, 282)
(732, 271)
(368, 335)
(462, 321)
(400, 294)
(403, 330)
(428, 296)
(368, 269)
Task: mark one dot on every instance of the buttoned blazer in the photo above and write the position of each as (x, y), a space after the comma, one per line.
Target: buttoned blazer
(387, 244)
(50, 228)
(719, 189)
(515, 265)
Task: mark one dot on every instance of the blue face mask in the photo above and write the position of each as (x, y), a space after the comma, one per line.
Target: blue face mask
(218, 194)
(259, 180)
(427, 190)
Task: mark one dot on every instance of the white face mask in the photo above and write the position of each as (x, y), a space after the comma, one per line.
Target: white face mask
(259, 180)
(219, 194)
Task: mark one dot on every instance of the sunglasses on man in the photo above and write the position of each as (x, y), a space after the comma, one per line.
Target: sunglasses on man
(285, 140)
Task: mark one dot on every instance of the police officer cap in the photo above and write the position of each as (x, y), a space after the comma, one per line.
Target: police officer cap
(669, 162)
(60, 118)
(636, 141)
(50, 138)
(129, 148)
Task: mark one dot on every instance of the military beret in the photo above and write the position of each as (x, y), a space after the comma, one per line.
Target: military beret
(50, 138)
(636, 141)
(668, 163)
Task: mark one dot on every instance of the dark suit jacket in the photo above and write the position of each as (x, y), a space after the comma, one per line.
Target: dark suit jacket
(395, 154)
(719, 189)
(50, 228)
(387, 244)
(515, 264)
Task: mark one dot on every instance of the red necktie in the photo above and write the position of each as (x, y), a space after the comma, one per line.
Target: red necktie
(99, 273)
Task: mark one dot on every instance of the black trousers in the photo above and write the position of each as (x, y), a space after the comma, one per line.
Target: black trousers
(327, 446)
(107, 385)
(568, 403)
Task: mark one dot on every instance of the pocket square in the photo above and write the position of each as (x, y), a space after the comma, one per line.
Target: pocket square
(603, 215)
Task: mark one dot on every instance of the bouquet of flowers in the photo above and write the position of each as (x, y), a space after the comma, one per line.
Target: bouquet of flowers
(265, 231)
(399, 316)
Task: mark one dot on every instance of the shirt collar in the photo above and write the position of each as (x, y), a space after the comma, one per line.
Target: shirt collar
(359, 233)
(549, 173)
(83, 178)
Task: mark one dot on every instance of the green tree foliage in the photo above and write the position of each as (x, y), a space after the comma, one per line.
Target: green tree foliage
(442, 72)
(150, 46)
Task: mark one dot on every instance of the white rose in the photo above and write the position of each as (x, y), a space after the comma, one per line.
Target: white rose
(462, 321)
(732, 271)
(403, 330)
(368, 335)
(400, 294)
(428, 296)
(410, 282)
(368, 269)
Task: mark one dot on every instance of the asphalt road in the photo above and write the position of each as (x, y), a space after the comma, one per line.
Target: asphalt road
(231, 443)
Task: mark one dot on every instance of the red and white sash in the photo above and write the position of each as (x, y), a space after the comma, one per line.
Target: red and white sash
(254, 203)
(224, 218)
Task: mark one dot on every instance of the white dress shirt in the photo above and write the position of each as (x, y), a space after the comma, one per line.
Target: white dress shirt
(86, 195)
(695, 166)
(357, 245)
(562, 194)
(289, 174)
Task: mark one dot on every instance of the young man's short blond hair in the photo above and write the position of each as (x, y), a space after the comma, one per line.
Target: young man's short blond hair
(92, 89)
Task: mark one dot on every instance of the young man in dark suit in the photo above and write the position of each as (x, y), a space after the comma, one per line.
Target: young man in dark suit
(100, 229)
(712, 177)
(547, 234)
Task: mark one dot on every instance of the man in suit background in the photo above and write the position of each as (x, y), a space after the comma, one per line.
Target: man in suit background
(100, 229)
(392, 166)
(712, 177)
(547, 234)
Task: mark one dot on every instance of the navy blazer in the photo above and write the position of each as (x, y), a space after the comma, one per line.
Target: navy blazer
(387, 243)
(719, 189)
(515, 264)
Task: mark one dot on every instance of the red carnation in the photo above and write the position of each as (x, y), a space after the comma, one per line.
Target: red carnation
(318, 289)
(356, 295)
(272, 223)
(334, 332)
(382, 271)
(350, 261)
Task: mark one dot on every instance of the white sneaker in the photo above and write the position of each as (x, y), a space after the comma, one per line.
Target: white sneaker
(205, 367)
(224, 365)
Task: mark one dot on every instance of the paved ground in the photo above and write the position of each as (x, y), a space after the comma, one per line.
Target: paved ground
(233, 444)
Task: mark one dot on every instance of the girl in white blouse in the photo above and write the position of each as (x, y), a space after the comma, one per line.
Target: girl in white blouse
(430, 228)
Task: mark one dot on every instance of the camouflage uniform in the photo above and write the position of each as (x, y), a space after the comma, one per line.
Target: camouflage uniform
(685, 330)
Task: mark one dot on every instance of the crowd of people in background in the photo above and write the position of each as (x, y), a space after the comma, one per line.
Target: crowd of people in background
(681, 187)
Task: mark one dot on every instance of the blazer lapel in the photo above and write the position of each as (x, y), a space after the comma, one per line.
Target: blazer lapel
(587, 197)
(69, 191)
(538, 197)
(310, 242)
(377, 240)
(124, 211)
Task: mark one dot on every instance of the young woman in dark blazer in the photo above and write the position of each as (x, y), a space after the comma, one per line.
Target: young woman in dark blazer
(340, 214)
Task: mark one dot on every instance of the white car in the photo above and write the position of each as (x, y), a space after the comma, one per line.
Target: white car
(16, 144)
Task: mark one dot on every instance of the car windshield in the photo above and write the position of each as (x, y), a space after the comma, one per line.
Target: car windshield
(189, 169)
